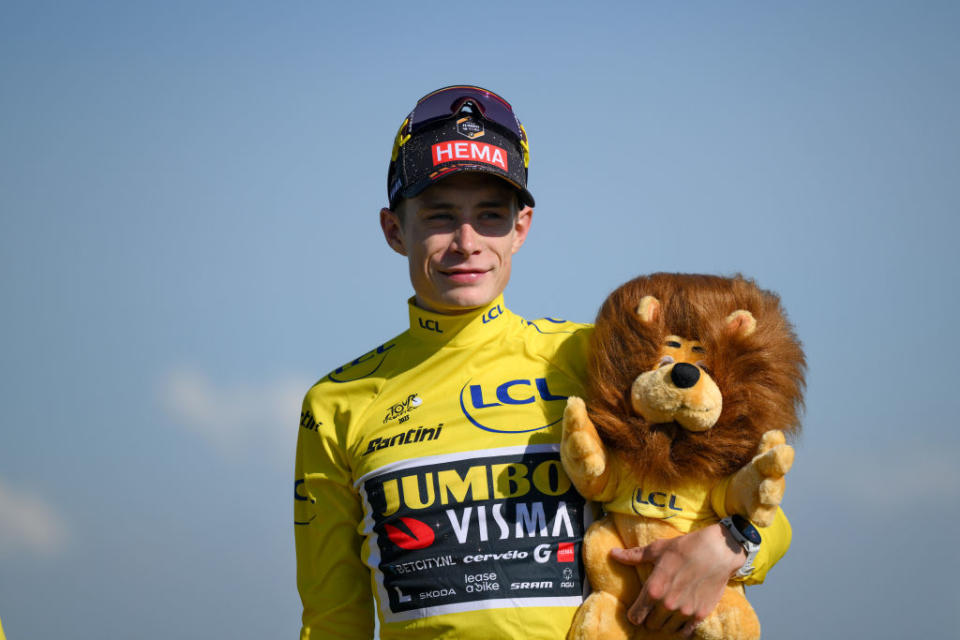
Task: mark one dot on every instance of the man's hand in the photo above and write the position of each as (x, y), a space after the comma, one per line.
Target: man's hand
(687, 580)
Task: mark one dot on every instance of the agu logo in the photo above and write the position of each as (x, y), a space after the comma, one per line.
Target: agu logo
(421, 535)
(477, 401)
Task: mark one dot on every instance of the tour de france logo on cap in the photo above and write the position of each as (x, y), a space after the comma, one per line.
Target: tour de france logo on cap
(470, 128)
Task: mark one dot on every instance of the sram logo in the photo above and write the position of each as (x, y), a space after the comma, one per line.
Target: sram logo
(476, 400)
(542, 584)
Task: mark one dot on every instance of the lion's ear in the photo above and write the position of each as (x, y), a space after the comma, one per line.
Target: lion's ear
(741, 323)
(648, 310)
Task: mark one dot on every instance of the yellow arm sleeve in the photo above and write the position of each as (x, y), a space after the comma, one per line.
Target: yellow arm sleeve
(334, 583)
(775, 538)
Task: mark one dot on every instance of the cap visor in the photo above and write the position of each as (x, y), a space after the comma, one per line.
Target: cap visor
(526, 198)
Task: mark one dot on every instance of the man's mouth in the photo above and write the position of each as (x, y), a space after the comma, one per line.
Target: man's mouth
(464, 276)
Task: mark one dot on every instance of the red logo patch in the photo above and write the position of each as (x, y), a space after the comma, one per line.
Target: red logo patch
(565, 552)
(473, 151)
(422, 535)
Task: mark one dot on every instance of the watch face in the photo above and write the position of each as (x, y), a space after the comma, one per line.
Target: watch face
(746, 529)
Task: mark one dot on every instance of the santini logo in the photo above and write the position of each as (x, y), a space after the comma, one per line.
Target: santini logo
(475, 399)
(408, 437)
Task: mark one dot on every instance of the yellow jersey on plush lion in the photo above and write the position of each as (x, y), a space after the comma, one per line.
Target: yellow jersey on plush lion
(692, 382)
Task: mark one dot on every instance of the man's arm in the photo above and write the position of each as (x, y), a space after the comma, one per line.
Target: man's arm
(334, 583)
(690, 572)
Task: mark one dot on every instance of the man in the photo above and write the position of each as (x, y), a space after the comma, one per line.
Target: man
(427, 473)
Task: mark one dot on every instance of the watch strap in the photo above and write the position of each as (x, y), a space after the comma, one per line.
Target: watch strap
(732, 525)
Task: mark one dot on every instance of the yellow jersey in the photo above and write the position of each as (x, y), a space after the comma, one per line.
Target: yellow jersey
(428, 481)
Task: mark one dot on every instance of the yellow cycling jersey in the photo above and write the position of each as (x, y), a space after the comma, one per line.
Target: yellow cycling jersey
(687, 508)
(428, 481)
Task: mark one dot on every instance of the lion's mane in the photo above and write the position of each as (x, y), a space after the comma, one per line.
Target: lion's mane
(761, 376)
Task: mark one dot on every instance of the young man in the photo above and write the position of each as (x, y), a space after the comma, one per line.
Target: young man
(427, 472)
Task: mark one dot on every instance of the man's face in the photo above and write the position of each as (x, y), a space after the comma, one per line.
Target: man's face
(459, 236)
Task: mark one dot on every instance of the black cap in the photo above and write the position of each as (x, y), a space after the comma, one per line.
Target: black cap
(465, 142)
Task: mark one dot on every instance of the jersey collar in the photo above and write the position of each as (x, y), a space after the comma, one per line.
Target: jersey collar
(464, 328)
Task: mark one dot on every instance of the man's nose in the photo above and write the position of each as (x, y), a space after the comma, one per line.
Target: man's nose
(465, 238)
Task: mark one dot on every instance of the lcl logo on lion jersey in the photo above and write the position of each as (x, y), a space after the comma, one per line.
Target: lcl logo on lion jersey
(455, 532)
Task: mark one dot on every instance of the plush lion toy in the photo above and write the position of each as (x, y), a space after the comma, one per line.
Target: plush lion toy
(692, 381)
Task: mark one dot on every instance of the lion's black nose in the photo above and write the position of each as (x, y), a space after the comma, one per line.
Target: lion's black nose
(684, 375)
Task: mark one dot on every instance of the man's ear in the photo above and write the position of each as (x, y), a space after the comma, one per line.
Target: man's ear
(522, 227)
(392, 230)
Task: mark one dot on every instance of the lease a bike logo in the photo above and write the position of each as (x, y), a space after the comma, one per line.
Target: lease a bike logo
(482, 405)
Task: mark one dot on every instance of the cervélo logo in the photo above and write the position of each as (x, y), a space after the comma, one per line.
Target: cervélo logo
(478, 405)
(453, 150)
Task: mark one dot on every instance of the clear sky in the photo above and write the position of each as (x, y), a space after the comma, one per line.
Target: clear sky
(188, 239)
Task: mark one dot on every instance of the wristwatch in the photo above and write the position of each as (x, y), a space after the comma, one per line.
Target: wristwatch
(747, 535)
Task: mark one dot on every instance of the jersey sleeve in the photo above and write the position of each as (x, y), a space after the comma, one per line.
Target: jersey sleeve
(775, 542)
(334, 583)
(775, 539)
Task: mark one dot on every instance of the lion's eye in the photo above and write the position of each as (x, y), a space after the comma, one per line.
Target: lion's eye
(664, 361)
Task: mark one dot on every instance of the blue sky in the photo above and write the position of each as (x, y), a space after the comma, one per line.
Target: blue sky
(189, 238)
